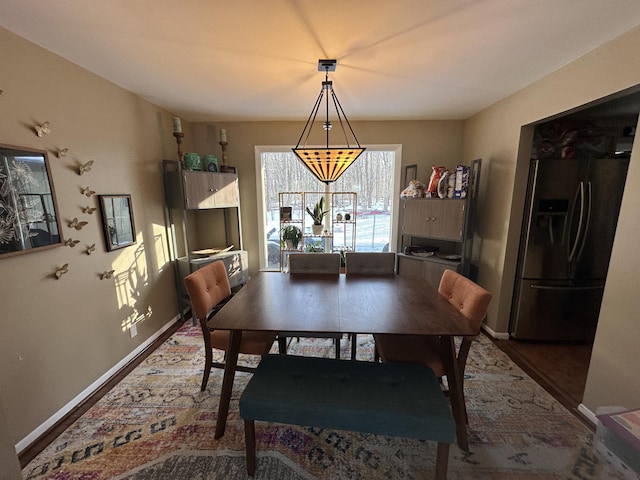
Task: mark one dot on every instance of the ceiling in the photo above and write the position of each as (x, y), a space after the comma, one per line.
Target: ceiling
(228, 60)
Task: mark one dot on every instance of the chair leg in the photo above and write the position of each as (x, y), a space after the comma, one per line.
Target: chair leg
(354, 345)
(208, 363)
(282, 345)
(463, 353)
(442, 461)
(250, 445)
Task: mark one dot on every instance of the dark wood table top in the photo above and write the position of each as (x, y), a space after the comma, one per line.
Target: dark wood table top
(321, 303)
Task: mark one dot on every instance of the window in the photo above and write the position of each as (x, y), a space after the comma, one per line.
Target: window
(374, 177)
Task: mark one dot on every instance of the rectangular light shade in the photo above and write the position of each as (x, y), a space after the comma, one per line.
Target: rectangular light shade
(327, 164)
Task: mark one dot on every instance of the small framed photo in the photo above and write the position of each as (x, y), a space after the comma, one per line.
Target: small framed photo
(117, 221)
(410, 173)
(285, 214)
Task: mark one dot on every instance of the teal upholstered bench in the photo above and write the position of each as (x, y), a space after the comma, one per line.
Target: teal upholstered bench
(386, 399)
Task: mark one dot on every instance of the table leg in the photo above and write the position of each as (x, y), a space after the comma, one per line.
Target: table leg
(231, 360)
(454, 382)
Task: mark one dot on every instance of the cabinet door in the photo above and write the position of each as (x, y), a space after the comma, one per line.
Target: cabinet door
(210, 190)
(435, 218)
(416, 219)
(226, 191)
(448, 222)
(428, 269)
(410, 267)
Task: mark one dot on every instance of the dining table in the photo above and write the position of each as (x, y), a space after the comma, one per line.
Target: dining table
(328, 303)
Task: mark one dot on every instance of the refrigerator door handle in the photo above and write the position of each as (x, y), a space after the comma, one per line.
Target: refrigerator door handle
(588, 222)
(553, 287)
(571, 250)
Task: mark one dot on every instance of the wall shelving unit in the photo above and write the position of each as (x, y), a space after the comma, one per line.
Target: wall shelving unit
(204, 216)
(445, 223)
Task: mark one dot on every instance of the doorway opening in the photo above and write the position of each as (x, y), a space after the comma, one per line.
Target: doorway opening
(589, 136)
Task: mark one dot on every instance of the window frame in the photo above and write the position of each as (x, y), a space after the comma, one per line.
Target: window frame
(260, 197)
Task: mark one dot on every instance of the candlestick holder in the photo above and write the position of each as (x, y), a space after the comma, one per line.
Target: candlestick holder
(179, 136)
(224, 168)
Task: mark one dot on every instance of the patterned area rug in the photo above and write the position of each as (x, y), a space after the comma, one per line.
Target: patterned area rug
(156, 424)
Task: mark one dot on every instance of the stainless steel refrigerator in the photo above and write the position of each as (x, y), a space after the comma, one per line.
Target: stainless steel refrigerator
(567, 234)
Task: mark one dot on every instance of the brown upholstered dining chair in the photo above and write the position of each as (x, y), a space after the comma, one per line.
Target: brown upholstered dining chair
(323, 263)
(467, 296)
(209, 289)
(368, 263)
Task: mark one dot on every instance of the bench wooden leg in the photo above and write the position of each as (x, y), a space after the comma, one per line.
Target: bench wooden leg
(442, 461)
(250, 445)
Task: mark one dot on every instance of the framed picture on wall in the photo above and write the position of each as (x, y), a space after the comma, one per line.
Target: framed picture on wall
(410, 173)
(28, 207)
(117, 220)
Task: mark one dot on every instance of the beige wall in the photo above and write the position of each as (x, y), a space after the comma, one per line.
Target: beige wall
(9, 466)
(494, 135)
(60, 336)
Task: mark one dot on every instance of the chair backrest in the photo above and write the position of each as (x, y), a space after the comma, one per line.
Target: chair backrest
(370, 263)
(314, 263)
(467, 296)
(207, 287)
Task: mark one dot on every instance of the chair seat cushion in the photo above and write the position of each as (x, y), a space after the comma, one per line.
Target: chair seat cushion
(386, 399)
(252, 343)
(416, 349)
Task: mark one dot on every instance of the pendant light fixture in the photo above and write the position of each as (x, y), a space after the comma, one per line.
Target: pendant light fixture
(328, 163)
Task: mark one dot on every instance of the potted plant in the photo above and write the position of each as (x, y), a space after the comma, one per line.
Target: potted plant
(314, 246)
(317, 214)
(291, 236)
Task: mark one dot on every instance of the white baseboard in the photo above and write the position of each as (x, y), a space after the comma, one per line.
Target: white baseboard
(588, 414)
(51, 421)
(494, 334)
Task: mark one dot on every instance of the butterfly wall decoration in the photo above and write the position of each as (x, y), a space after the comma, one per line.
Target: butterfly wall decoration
(91, 248)
(89, 210)
(106, 274)
(62, 152)
(43, 129)
(82, 169)
(77, 224)
(87, 191)
(62, 270)
(71, 243)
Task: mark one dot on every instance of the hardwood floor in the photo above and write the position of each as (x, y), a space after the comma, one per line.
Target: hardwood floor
(560, 368)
